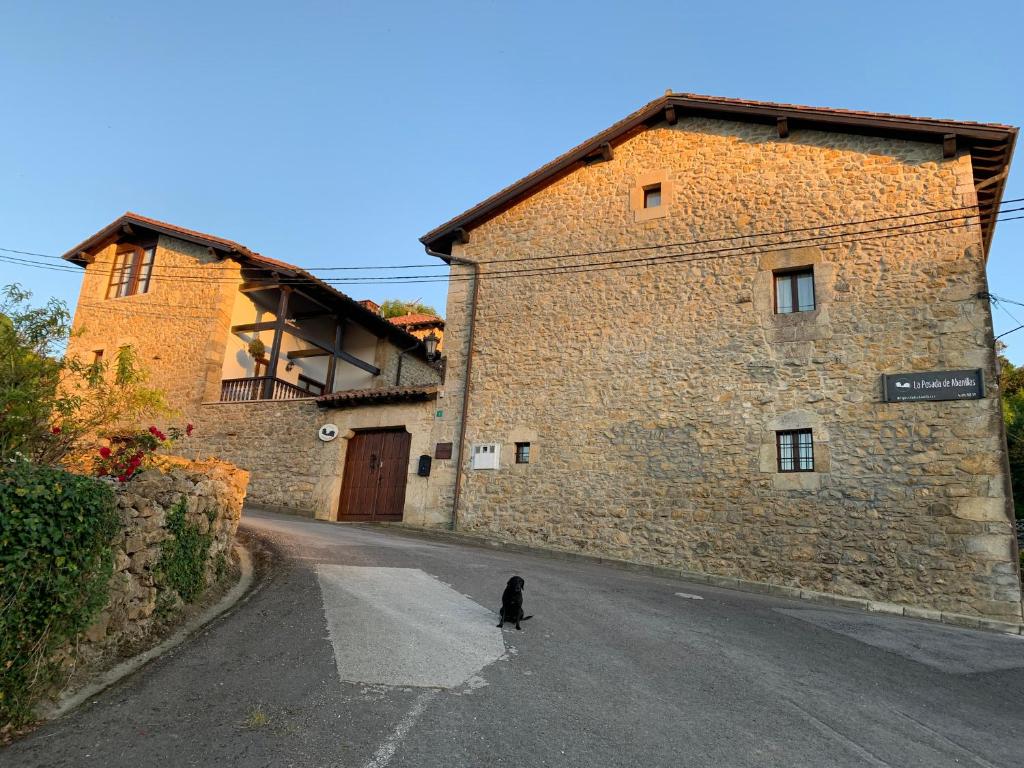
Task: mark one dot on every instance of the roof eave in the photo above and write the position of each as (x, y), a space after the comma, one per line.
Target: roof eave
(439, 240)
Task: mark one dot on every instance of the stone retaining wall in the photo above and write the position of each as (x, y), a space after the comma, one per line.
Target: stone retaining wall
(214, 492)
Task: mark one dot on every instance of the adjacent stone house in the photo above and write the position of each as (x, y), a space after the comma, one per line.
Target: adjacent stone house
(260, 355)
(717, 290)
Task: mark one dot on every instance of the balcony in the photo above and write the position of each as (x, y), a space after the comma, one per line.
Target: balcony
(260, 388)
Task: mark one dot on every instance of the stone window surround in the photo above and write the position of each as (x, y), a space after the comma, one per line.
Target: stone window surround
(768, 453)
(793, 326)
(644, 181)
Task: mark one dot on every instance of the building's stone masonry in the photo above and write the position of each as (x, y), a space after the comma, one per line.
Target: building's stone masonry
(292, 470)
(214, 492)
(652, 393)
(178, 328)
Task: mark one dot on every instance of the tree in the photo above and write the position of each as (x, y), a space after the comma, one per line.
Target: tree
(52, 405)
(1011, 392)
(398, 307)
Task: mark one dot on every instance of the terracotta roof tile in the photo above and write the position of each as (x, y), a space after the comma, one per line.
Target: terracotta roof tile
(416, 319)
(351, 397)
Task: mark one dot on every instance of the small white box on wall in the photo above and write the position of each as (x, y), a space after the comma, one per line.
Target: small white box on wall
(485, 455)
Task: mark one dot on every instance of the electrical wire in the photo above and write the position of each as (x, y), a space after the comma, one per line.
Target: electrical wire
(629, 249)
(837, 238)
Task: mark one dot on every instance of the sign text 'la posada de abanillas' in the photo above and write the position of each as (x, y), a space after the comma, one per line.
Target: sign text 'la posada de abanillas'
(935, 385)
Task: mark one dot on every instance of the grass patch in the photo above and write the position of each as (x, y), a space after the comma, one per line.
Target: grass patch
(256, 718)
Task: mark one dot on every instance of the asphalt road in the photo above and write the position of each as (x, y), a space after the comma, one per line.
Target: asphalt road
(368, 647)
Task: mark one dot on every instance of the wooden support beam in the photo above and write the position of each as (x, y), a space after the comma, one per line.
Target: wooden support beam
(295, 354)
(127, 229)
(461, 236)
(990, 181)
(949, 145)
(332, 364)
(670, 114)
(275, 346)
(606, 152)
(258, 285)
(301, 333)
(782, 123)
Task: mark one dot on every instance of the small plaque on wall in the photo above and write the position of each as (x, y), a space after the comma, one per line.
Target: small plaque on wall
(443, 451)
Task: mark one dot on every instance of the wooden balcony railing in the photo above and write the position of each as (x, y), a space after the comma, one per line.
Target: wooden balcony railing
(256, 388)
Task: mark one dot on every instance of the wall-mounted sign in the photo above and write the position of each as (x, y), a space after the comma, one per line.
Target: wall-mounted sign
(328, 432)
(936, 385)
(443, 451)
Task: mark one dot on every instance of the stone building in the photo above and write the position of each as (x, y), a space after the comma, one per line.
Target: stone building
(758, 347)
(259, 355)
(717, 289)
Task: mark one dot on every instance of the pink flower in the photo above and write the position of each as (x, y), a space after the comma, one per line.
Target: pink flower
(105, 452)
(56, 430)
(188, 430)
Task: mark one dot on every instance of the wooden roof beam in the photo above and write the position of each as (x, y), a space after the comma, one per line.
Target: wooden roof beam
(314, 352)
(782, 124)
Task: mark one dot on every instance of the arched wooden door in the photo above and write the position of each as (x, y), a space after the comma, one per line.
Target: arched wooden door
(376, 472)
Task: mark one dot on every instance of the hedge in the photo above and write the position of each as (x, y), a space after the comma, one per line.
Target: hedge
(56, 558)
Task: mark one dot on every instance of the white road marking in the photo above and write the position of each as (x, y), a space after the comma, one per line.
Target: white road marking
(688, 596)
(401, 627)
(387, 750)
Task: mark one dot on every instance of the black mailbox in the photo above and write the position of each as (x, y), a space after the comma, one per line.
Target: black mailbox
(423, 470)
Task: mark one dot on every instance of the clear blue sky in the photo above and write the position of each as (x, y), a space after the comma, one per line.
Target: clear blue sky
(336, 133)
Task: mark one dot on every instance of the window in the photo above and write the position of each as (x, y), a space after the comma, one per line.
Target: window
(652, 196)
(133, 267)
(311, 385)
(794, 291)
(796, 450)
(97, 356)
(522, 453)
(486, 456)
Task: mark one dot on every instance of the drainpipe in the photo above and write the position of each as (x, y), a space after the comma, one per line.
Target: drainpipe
(403, 353)
(467, 381)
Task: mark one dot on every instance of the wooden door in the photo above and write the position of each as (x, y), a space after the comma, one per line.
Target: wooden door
(376, 472)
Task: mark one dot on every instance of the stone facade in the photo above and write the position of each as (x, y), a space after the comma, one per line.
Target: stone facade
(179, 328)
(214, 492)
(651, 394)
(292, 470)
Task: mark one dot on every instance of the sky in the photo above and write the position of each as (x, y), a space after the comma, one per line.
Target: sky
(337, 133)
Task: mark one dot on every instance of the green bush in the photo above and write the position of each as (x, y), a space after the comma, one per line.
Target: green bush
(56, 558)
(183, 555)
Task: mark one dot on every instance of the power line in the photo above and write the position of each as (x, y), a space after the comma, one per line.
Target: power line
(837, 238)
(632, 249)
(1012, 330)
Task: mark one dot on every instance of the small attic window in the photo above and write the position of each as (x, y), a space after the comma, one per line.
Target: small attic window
(652, 196)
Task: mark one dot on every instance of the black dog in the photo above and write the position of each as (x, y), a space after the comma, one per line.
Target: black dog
(512, 602)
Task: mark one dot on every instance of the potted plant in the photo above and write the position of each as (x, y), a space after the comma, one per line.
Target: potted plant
(257, 349)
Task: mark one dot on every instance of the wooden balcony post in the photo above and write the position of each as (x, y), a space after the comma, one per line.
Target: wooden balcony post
(275, 347)
(332, 363)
